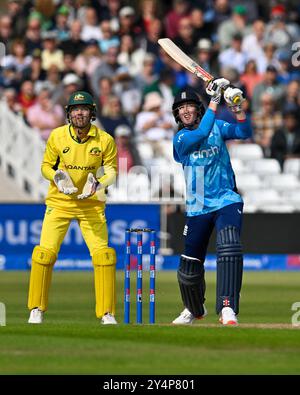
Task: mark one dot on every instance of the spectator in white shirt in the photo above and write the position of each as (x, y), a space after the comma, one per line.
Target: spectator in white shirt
(234, 55)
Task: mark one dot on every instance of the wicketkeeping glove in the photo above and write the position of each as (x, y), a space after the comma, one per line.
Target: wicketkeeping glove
(90, 187)
(234, 98)
(64, 183)
(215, 87)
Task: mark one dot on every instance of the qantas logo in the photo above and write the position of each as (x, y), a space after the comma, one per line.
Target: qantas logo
(80, 167)
(206, 153)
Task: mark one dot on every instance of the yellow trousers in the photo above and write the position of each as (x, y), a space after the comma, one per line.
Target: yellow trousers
(92, 223)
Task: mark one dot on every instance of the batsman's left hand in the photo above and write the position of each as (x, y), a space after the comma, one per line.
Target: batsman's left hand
(215, 87)
(90, 187)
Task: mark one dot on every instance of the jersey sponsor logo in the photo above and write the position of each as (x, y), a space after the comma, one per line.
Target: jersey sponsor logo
(180, 137)
(80, 167)
(95, 151)
(206, 153)
(65, 150)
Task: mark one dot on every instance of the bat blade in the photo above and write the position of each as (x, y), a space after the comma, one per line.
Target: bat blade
(183, 59)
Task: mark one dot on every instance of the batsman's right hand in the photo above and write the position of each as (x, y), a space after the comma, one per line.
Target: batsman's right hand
(64, 183)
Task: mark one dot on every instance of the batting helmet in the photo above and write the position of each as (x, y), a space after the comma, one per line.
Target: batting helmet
(81, 98)
(187, 96)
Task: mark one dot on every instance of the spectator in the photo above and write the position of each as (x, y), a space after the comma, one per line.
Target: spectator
(292, 96)
(278, 31)
(286, 140)
(221, 12)
(201, 28)
(6, 31)
(128, 155)
(270, 85)
(149, 43)
(126, 89)
(61, 23)
(109, 39)
(237, 24)
(107, 68)
(127, 22)
(70, 84)
(148, 77)
(250, 78)
(10, 98)
(91, 29)
(35, 72)
(149, 10)
(74, 44)
(269, 57)
(18, 17)
(26, 98)
(265, 122)
(130, 55)
(51, 55)
(286, 73)
(180, 9)
(152, 124)
(205, 56)
(253, 45)
(69, 66)
(33, 39)
(185, 38)
(9, 78)
(105, 91)
(44, 115)
(88, 60)
(18, 57)
(112, 115)
(234, 55)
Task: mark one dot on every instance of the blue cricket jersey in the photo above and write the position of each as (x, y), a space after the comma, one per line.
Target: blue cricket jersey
(209, 178)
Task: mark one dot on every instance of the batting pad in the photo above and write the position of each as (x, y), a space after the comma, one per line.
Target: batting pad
(229, 269)
(104, 262)
(40, 277)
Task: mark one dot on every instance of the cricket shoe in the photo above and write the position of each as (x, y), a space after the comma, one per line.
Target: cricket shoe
(228, 316)
(36, 316)
(187, 318)
(108, 319)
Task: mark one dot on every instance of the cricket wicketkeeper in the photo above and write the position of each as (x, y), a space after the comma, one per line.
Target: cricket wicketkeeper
(212, 199)
(80, 161)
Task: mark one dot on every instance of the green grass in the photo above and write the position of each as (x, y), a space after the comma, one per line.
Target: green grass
(71, 340)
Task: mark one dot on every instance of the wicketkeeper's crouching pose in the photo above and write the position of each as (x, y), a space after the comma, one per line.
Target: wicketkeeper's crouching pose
(80, 162)
(212, 200)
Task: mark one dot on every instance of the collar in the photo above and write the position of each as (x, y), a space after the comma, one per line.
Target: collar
(91, 133)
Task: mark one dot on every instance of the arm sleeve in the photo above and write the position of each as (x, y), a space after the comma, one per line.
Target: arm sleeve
(109, 164)
(185, 143)
(241, 130)
(50, 160)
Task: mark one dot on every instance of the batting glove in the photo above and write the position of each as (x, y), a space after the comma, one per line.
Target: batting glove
(215, 87)
(64, 183)
(234, 98)
(90, 187)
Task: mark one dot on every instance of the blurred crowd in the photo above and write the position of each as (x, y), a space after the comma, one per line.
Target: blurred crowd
(109, 48)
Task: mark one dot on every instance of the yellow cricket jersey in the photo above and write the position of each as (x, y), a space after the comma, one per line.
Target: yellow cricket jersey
(97, 154)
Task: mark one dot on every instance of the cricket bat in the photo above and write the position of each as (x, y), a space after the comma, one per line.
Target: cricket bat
(188, 63)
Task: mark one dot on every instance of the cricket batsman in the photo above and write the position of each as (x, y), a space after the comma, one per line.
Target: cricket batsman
(80, 162)
(212, 200)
